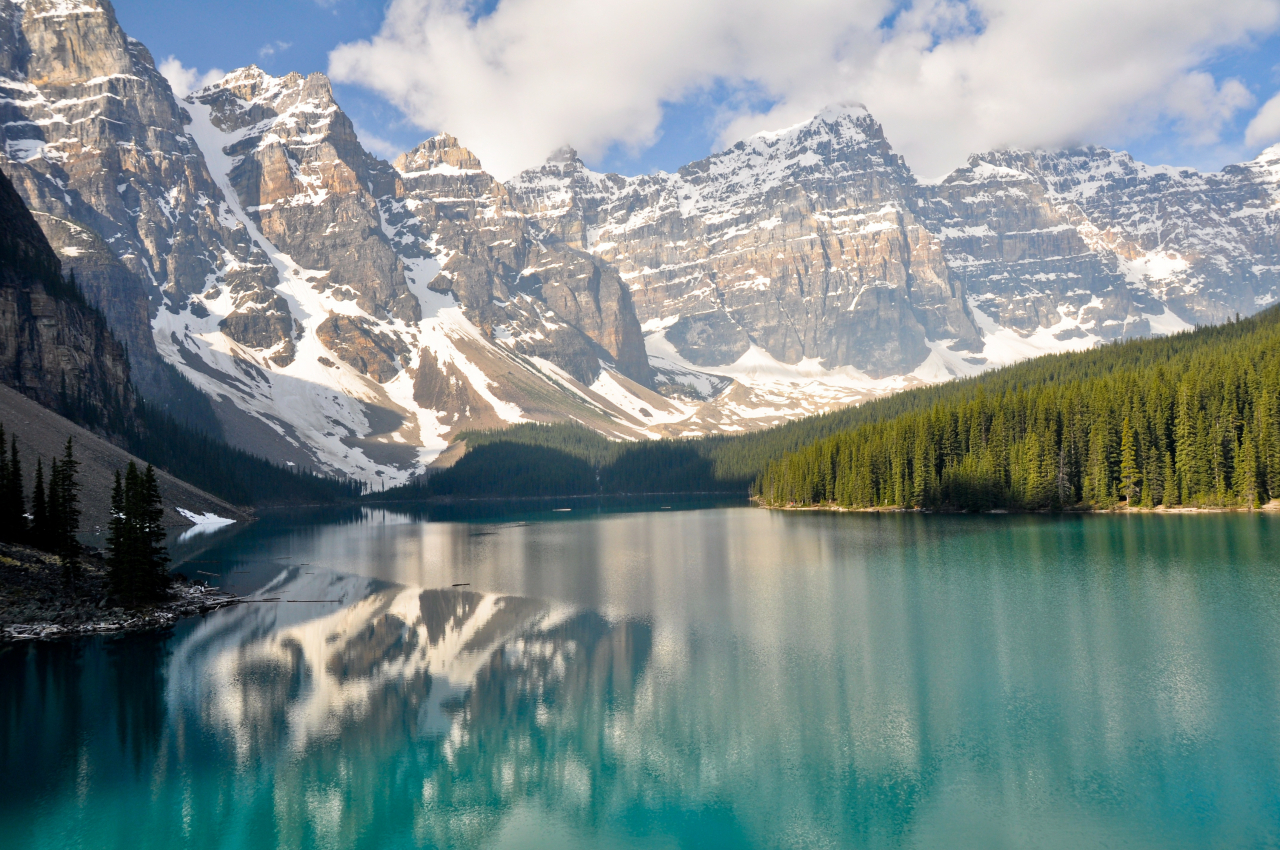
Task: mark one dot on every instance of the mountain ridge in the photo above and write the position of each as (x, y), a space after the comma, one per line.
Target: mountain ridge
(354, 315)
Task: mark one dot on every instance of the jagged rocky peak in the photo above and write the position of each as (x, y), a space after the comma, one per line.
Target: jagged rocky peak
(798, 242)
(840, 148)
(250, 95)
(565, 160)
(300, 173)
(301, 111)
(1266, 167)
(94, 142)
(441, 155)
(836, 129)
(251, 84)
(1159, 237)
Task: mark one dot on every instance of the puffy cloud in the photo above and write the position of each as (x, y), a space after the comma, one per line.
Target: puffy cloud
(184, 80)
(1265, 126)
(946, 77)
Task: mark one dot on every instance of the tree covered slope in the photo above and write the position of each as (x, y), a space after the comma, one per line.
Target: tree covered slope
(1185, 420)
(1189, 420)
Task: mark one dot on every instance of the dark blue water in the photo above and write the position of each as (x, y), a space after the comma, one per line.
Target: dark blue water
(711, 678)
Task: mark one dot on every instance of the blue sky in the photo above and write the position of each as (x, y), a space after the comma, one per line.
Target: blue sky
(278, 36)
(694, 112)
(297, 35)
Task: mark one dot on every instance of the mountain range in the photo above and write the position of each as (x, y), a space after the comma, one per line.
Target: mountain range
(344, 313)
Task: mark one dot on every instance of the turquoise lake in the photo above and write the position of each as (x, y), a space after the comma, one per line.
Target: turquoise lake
(724, 677)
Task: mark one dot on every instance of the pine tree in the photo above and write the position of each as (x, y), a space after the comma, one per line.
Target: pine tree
(120, 548)
(39, 511)
(1271, 424)
(152, 550)
(137, 560)
(65, 515)
(15, 504)
(1130, 475)
(1172, 489)
(1246, 469)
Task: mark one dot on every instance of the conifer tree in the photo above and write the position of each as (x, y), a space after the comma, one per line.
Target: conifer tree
(122, 571)
(1246, 469)
(151, 530)
(64, 514)
(1172, 488)
(1271, 414)
(137, 559)
(1130, 476)
(39, 510)
(15, 503)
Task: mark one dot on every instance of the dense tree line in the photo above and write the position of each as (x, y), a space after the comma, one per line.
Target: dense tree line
(137, 558)
(1043, 433)
(232, 474)
(570, 460)
(1188, 420)
(54, 519)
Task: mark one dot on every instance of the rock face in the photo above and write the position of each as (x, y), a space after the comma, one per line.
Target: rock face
(546, 298)
(1090, 243)
(354, 315)
(54, 347)
(221, 235)
(802, 243)
(381, 272)
(94, 142)
(800, 252)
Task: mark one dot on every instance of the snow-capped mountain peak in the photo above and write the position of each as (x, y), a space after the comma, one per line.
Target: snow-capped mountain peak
(353, 315)
(441, 154)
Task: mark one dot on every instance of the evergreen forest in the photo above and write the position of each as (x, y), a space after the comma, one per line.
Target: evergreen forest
(1189, 420)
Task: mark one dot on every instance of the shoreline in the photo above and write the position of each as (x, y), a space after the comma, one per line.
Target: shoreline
(33, 605)
(1271, 507)
(458, 500)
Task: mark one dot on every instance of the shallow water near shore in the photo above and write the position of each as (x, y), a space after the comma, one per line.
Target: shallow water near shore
(527, 677)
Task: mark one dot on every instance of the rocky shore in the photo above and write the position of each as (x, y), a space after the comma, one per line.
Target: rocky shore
(34, 604)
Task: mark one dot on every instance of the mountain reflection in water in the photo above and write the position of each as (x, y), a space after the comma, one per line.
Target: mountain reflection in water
(726, 678)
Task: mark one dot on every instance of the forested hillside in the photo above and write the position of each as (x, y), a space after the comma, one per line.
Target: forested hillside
(1183, 420)
(1189, 420)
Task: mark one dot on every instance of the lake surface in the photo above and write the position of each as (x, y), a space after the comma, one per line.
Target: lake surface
(725, 677)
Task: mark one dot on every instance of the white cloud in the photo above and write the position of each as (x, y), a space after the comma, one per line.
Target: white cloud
(271, 48)
(1265, 126)
(946, 77)
(184, 80)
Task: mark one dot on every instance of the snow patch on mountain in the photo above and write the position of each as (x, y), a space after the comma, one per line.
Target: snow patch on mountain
(320, 403)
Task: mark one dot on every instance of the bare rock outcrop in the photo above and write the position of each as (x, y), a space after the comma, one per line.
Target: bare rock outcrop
(800, 242)
(54, 347)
